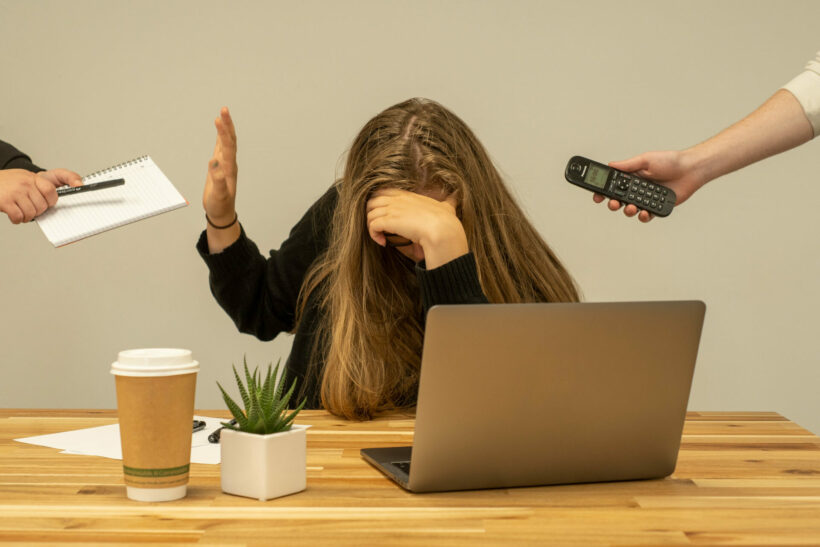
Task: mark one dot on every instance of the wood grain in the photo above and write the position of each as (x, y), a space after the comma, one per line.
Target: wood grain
(743, 478)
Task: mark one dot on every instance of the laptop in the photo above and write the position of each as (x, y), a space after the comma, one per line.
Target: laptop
(541, 394)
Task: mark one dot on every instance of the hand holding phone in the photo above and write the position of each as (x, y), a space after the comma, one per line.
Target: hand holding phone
(624, 187)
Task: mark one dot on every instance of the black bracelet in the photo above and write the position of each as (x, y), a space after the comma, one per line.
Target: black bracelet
(235, 218)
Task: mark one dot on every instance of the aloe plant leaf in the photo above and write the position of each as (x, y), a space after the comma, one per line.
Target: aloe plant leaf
(276, 420)
(276, 416)
(248, 377)
(275, 392)
(289, 394)
(286, 423)
(266, 399)
(271, 403)
(266, 383)
(281, 384)
(238, 415)
(259, 426)
(245, 399)
(284, 400)
(274, 374)
(255, 411)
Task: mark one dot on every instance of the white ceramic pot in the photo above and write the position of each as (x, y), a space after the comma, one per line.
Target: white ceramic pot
(264, 466)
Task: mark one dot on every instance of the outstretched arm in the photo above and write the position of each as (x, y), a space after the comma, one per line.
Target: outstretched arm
(788, 119)
(778, 125)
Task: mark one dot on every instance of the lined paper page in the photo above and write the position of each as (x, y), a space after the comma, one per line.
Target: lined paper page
(146, 192)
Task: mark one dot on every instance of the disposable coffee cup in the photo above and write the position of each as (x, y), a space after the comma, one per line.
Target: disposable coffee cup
(155, 407)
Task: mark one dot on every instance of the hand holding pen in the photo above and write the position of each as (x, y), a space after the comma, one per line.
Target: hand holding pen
(24, 195)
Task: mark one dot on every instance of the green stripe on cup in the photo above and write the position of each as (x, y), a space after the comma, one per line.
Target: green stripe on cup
(166, 472)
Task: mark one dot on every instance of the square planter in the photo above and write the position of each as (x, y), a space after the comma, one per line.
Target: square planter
(264, 466)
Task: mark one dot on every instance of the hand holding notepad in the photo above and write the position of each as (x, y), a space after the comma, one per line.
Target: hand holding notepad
(146, 192)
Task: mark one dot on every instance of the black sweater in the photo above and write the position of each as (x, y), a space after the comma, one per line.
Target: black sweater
(260, 293)
(11, 158)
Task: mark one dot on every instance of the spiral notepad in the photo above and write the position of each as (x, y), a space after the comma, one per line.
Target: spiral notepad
(146, 192)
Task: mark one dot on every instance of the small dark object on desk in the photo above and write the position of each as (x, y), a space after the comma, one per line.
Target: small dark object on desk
(214, 437)
(199, 425)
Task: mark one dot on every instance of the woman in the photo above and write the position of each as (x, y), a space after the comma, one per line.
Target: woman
(420, 217)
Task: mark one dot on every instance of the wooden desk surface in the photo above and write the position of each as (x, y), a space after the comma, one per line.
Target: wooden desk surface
(742, 478)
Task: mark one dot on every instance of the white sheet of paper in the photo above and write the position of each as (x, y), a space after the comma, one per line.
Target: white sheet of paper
(105, 441)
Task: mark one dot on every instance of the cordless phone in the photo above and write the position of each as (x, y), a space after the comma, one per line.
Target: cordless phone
(625, 187)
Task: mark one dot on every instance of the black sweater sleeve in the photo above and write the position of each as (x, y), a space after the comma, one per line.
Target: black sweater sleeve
(260, 293)
(11, 158)
(455, 282)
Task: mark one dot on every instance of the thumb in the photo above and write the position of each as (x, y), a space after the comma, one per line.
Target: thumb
(631, 165)
(72, 178)
(62, 177)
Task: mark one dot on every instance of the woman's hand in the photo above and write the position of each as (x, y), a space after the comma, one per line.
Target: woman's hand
(219, 197)
(220, 185)
(431, 225)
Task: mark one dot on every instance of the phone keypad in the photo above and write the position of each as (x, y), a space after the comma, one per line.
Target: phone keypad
(644, 194)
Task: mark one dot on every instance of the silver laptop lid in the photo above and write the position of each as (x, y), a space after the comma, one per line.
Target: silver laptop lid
(531, 394)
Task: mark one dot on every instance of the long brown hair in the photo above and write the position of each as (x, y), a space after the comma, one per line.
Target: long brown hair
(371, 326)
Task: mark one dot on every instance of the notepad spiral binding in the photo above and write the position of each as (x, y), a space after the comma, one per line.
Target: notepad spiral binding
(117, 167)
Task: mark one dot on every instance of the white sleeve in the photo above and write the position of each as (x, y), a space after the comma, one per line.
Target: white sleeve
(806, 88)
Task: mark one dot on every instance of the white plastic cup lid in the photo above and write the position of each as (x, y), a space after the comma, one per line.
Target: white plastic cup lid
(154, 362)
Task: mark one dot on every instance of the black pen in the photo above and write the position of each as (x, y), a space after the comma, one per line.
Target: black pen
(64, 191)
(214, 437)
(199, 425)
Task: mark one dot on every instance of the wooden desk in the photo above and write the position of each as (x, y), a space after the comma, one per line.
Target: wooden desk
(742, 478)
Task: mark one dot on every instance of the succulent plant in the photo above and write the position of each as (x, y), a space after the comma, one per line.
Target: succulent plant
(266, 408)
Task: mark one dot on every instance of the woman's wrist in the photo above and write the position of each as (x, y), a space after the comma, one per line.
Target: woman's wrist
(444, 245)
(221, 218)
(222, 232)
(219, 225)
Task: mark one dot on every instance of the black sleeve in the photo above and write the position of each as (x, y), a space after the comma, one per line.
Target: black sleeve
(11, 158)
(455, 282)
(260, 294)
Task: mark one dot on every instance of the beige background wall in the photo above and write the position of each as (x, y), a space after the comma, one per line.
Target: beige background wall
(89, 83)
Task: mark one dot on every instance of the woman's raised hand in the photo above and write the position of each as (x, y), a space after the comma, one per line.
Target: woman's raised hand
(219, 196)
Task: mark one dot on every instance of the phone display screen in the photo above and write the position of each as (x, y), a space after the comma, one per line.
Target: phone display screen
(596, 175)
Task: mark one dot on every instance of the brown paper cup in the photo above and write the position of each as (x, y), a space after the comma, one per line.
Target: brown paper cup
(155, 406)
